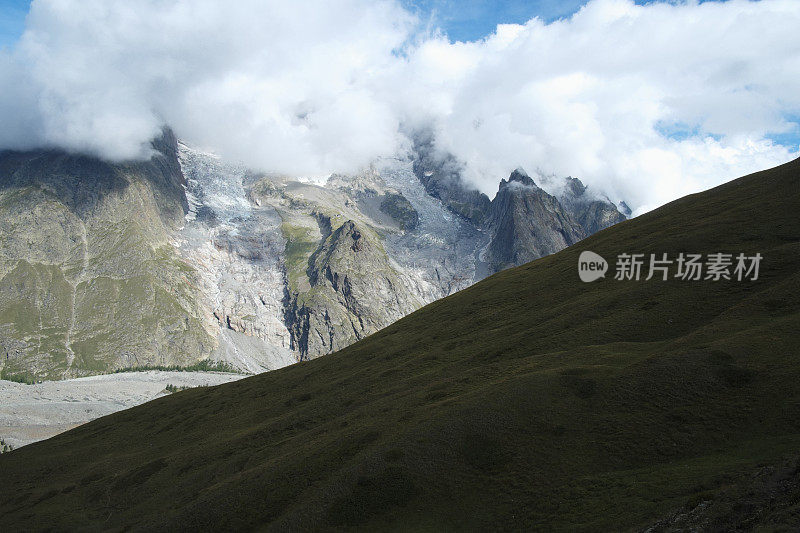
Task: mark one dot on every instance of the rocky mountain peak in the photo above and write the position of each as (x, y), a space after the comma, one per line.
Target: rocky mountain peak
(521, 177)
(346, 238)
(575, 187)
(592, 213)
(355, 291)
(527, 223)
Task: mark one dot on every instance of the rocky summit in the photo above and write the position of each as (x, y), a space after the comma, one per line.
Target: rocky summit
(186, 258)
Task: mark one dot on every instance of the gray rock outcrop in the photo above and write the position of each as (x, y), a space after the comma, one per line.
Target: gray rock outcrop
(354, 291)
(527, 223)
(593, 214)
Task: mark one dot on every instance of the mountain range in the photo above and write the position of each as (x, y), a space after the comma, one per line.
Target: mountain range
(185, 257)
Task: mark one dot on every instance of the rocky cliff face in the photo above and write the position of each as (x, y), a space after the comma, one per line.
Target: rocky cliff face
(441, 176)
(593, 214)
(236, 246)
(527, 223)
(187, 257)
(354, 291)
(88, 279)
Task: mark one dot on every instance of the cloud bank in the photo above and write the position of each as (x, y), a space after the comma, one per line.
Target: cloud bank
(645, 103)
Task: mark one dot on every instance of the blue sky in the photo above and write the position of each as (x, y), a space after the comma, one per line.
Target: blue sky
(12, 20)
(468, 20)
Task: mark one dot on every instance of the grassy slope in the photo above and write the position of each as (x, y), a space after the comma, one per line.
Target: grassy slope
(529, 399)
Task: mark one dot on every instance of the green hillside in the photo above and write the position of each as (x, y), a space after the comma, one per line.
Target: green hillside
(530, 400)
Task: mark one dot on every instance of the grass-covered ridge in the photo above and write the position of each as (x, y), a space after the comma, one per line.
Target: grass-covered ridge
(530, 400)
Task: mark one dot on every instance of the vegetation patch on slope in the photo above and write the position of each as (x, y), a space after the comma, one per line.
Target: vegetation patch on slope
(300, 244)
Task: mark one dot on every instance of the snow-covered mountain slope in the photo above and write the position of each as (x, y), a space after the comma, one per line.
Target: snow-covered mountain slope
(237, 248)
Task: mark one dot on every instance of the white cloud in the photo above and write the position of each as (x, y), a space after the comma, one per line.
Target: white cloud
(280, 85)
(590, 96)
(312, 87)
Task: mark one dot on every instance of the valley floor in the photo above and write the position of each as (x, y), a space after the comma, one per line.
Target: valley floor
(30, 413)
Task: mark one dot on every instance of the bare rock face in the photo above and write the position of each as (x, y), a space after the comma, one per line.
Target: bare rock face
(593, 214)
(527, 223)
(354, 291)
(400, 209)
(89, 282)
(441, 176)
(236, 245)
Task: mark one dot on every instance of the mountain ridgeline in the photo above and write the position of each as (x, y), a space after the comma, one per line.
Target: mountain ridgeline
(524, 222)
(528, 401)
(185, 257)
